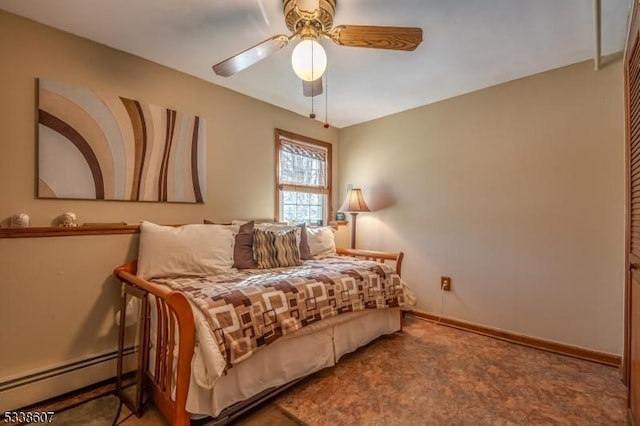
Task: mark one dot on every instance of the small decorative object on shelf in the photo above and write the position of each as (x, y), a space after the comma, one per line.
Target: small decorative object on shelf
(19, 220)
(340, 216)
(68, 220)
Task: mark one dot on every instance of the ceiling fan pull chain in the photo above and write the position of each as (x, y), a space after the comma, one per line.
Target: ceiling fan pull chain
(326, 99)
(313, 114)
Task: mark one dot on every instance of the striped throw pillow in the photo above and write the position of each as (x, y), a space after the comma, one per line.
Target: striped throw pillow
(274, 248)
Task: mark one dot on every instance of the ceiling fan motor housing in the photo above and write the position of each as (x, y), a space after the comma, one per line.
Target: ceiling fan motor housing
(296, 15)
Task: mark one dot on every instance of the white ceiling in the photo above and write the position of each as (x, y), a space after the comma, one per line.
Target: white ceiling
(468, 45)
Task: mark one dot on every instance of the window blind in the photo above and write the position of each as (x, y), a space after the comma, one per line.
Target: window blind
(303, 167)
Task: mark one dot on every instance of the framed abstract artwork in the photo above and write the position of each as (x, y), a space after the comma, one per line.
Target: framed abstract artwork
(102, 147)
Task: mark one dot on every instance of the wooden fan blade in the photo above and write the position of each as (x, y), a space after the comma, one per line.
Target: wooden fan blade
(252, 55)
(312, 88)
(395, 38)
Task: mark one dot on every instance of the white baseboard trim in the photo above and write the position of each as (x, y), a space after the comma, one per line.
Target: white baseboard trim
(36, 386)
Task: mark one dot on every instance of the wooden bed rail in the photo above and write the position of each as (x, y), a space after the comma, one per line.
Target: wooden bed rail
(377, 256)
(172, 308)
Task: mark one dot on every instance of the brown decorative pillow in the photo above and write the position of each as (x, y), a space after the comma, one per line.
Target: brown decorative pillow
(243, 247)
(305, 251)
(275, 248)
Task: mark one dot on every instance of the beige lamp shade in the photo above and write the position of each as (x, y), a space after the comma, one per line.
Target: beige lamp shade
(354, 202)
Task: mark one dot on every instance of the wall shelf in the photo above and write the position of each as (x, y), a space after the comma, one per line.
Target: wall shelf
(338, 223)
(53, 231)
(90, 229)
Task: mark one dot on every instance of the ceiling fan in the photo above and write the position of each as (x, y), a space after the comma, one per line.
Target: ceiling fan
(309, 20)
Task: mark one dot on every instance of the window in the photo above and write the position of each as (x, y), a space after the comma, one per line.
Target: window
(303, 179)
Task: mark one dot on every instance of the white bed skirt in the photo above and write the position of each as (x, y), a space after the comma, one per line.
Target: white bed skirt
(291, 357)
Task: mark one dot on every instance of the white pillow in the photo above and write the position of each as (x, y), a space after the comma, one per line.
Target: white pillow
(168, 251)
(321, 240)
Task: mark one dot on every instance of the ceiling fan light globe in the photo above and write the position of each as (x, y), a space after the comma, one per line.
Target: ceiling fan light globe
(309, 60)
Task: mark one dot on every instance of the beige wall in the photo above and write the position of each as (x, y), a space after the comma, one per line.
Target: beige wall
(516, 192)
(58, 297)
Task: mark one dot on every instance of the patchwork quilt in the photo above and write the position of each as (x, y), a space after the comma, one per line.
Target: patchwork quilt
(249, 309)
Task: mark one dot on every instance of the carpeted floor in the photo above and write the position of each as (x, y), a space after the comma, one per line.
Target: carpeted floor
(428, 374)
(435, 375)
(97, 412)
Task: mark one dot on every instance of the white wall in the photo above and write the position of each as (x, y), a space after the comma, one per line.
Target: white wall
(516, 192)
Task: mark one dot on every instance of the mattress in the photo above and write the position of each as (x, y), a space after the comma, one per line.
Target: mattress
(244, 311)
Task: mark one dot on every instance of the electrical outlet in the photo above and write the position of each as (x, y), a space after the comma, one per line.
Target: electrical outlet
(445, 283)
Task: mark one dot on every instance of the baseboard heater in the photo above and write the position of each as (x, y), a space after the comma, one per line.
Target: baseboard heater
(30, 388)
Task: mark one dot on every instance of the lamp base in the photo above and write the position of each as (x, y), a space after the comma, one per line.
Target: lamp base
(353, 229)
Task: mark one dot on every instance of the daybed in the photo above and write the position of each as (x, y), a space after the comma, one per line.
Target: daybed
(220, 343)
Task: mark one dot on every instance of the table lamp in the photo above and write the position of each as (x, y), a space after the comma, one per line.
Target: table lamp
(354, 204)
